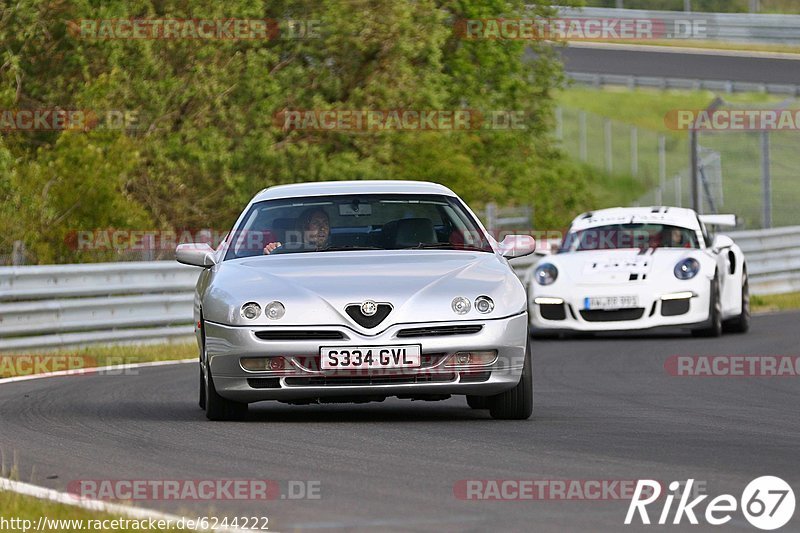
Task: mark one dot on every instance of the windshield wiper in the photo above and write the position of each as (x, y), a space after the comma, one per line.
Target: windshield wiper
(446, 246)
(344, 248)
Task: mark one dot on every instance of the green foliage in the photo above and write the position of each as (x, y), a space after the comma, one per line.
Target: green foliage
(206, 138)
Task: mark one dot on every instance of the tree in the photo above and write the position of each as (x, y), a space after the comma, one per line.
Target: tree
(206, 137)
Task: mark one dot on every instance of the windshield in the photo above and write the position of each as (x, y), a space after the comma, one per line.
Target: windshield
(356, 222)
(620, 236)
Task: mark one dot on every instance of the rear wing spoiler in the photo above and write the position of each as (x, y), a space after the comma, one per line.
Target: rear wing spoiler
(718, 220)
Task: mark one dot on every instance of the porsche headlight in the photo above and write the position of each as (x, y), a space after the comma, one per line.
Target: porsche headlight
(545, 274)
(687, 268)
(251, 310)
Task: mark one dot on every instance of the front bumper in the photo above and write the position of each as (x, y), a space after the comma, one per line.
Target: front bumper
(302, 380)
(652, 310)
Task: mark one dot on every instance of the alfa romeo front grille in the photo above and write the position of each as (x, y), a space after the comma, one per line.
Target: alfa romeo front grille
(438, 331)
(299, 335)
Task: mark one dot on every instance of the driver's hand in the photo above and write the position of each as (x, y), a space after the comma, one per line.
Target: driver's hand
(268, 249)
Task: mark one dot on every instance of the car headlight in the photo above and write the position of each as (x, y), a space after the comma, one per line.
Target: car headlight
(461, 305)
(687, 268)
(545, 274)
(251, 310)
(484, 304)
(274, 310)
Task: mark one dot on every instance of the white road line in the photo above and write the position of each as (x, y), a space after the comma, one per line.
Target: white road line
(686, 50)
(65, 498)
(95, 370)
(73, 500)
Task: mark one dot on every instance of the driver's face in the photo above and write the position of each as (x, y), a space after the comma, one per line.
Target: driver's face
(318, 230)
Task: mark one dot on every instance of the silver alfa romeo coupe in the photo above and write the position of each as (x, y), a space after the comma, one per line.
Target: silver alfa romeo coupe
(358, 291)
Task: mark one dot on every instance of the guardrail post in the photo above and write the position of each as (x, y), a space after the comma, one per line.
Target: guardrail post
(18, 253)
(766, 182)
(608, 154)
(559, 124)
(583, 136)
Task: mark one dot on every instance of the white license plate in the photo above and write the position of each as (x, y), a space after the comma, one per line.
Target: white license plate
(357, 357)
(610, 302)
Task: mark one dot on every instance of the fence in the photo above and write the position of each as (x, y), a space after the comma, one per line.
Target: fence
(45, 307)
(750, 173)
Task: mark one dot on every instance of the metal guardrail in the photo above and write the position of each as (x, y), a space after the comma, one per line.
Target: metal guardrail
(731, 27)
(66, 305)
(46, 307)
(632, 82)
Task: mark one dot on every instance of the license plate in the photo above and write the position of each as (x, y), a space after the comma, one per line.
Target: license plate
(610, 302)
(356, 357)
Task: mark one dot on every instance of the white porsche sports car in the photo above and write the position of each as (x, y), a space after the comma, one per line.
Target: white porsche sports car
(358, 291)
(641, 268)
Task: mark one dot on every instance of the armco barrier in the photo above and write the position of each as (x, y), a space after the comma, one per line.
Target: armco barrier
(730, 27)
(45, 307)
(66, 305)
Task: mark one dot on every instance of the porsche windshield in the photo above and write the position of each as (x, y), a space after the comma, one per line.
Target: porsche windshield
(621, 236)
(356, 222)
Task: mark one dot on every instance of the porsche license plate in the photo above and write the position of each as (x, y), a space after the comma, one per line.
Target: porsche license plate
(606, 303)
(358, 357)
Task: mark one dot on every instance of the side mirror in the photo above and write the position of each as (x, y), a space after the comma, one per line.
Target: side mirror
(517, 246)
(721, 242)
(196, 254)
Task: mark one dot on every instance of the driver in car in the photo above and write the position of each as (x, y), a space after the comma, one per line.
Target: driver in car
(316, 229)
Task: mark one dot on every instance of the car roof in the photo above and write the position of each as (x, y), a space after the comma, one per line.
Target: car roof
(328, 188)
(672, 216)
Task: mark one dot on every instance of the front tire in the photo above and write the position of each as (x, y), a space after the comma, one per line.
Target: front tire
(517, 403)
(714, 314)
(219, 408)
(741, 323)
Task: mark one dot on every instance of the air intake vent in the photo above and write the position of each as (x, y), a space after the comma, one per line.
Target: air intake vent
(618, 315)
(438, 331)
(369, 322)
(299, 335)
(345, 381)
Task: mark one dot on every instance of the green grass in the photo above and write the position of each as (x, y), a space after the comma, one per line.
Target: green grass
(646, 109)
(13, 505)
(775, 302)
(92, 356)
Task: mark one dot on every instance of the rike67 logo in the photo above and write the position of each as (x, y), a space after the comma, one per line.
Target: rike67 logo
(767, 503)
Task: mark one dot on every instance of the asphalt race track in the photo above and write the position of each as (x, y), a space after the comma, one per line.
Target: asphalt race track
(605, 410)
(674, 64)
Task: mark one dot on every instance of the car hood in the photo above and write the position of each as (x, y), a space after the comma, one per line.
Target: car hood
(618, 266)
(316, 287)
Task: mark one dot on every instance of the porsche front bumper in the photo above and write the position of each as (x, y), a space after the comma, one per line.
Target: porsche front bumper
(301, 379)
(680, 304)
